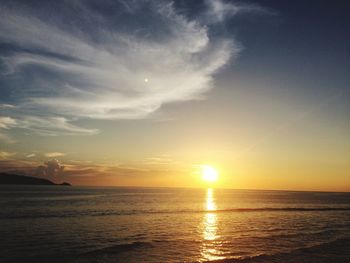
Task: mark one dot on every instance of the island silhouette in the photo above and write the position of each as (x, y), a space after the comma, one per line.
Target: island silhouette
(15, 179)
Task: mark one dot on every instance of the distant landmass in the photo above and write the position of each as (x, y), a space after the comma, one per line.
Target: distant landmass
(6, 178)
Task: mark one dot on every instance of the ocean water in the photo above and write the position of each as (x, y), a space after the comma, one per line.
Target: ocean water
(81, 224)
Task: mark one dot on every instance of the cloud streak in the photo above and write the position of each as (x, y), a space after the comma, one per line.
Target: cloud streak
(54, 154)
(93, 65)
(6, 155)
(218, 10)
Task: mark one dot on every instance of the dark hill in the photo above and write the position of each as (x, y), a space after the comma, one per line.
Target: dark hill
(25, 180)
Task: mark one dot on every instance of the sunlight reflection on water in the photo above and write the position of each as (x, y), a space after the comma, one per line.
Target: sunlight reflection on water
(210, 227)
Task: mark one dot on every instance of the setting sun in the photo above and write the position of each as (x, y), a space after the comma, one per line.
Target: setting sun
(209, 173)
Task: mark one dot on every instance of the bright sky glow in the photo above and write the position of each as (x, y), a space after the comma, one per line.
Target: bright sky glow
(209, 173)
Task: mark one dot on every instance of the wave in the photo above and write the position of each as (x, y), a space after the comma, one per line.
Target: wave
(112, 253)
(333, 251)
(135, 212)
(121, 248)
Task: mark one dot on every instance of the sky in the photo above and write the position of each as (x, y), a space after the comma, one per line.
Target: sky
(144, 93)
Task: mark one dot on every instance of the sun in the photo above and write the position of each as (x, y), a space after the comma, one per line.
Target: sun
(209, 173)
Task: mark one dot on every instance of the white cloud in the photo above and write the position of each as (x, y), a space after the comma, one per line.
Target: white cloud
(104, 75)
(7, 106)
(6, 155)
(7, 122)
(49, 126)
(51, 168)
(54, 154)
(219, 10)
(52, 126)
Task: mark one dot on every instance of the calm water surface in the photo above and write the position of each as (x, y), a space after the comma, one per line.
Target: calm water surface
(80, 224)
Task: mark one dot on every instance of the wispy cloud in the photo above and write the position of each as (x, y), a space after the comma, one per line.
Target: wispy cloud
(159, 160)
(31, 155)
(54, 154)
(7, 106)
(220, 10)
(7, 122)
(85, 173)
(6, 155)
(98, 65)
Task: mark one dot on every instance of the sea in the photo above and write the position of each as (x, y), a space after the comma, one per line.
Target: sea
(126, 224)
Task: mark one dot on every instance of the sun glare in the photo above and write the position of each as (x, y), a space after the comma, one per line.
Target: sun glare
(209, 173)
